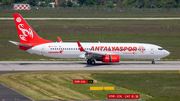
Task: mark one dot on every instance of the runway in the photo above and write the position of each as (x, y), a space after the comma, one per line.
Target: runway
(94, 18)
(82, 65)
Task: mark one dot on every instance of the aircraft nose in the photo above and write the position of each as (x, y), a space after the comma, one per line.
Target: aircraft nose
(167, 53)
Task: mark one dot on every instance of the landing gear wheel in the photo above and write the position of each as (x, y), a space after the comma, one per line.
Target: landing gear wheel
(89, 61)
(153, 62)
(93, 62)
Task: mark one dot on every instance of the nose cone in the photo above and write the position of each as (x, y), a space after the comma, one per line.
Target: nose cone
(166, 53)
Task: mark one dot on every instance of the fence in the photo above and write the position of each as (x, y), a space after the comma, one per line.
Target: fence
(94, 9)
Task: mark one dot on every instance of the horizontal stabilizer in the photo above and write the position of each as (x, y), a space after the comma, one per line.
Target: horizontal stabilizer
(20, 44)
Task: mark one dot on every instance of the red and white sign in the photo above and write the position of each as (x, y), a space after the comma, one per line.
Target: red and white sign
(123, 96)
(115, 96)
(131, 96)
(80, 81)
(21, 6)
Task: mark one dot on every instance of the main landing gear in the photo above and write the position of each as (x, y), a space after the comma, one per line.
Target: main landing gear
(153, 62)
(91, 61)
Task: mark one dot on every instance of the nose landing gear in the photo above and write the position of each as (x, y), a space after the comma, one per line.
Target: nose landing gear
(153, 62)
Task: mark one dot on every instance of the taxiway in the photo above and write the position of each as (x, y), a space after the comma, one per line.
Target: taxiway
(82, 65)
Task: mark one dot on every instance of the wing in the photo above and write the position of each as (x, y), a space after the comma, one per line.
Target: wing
(91, 54)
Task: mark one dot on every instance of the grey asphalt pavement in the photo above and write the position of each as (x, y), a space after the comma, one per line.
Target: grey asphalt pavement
(82, 65)
(7, 94)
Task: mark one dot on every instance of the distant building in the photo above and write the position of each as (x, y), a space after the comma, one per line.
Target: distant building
(53, 4)
(22, 7)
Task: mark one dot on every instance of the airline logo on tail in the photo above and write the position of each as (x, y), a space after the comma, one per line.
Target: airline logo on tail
(18, 19)
(24, 31)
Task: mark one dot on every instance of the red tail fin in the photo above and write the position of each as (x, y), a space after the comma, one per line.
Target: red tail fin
(26, 34)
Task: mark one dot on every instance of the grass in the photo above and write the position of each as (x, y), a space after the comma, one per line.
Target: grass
(164, 33)
(58, 85)
(161, 86)
(90, 14)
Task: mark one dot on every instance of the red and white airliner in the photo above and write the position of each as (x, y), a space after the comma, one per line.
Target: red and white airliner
(105, 52)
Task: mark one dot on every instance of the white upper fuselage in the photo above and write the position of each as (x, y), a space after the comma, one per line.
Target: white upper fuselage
(124, 50)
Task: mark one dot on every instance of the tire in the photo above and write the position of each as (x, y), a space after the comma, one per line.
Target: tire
(93, 62)
(153, 62)
(89, 61)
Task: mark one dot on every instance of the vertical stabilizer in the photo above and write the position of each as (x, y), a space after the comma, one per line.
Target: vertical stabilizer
(26, 34)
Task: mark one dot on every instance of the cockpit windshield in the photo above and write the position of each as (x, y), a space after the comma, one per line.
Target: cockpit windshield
(160, 49)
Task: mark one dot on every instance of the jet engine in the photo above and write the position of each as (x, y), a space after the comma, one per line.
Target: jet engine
(110, 58)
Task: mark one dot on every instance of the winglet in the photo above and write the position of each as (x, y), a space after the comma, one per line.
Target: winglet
(59, 39)
(80, 47)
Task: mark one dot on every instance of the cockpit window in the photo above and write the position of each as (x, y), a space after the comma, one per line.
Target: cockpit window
(160, 49)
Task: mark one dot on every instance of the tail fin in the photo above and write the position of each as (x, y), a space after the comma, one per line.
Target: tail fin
(26, 34)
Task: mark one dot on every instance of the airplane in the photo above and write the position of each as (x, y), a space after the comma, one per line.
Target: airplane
(105, 52)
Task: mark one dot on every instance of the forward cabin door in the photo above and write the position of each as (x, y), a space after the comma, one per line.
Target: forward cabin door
(152, 50)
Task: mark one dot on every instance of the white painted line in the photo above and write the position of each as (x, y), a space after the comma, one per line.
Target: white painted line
(94, 18)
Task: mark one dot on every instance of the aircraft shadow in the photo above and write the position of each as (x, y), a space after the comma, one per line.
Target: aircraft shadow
(89, 65)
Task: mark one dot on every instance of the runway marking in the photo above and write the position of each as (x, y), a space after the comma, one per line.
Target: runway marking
(94, 18)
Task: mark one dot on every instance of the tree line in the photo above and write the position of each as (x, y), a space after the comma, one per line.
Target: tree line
(101, 3)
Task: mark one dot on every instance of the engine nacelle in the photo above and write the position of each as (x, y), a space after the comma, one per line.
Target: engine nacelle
(110, 58)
